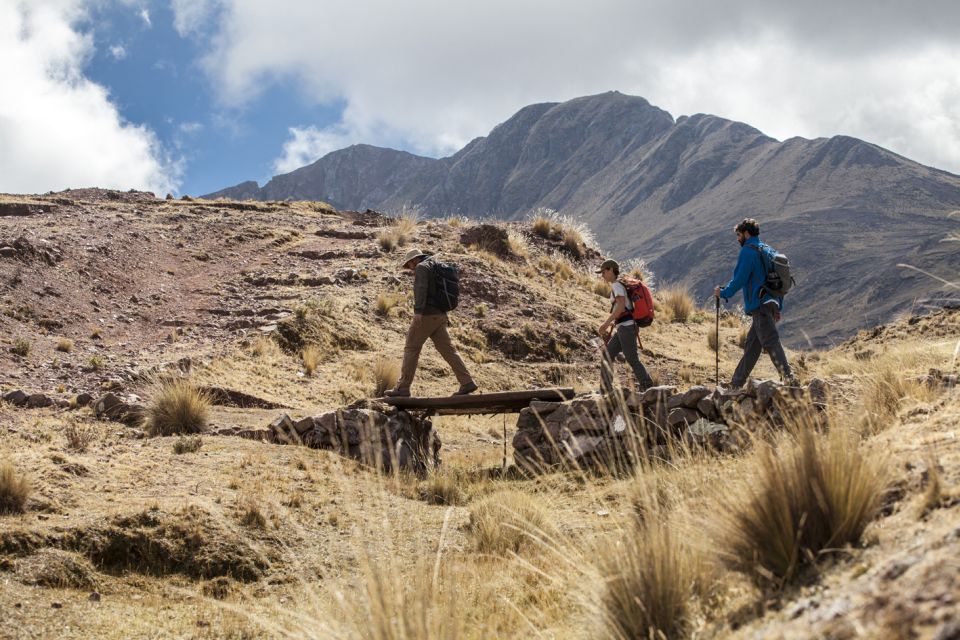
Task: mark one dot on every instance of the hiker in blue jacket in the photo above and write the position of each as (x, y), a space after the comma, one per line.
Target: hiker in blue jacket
(750, 275)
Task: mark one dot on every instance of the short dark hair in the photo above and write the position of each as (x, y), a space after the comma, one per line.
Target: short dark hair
(748, 225)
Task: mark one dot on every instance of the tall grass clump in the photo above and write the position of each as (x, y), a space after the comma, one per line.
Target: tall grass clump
(14, 489)
(263, 347)
(677, 301)
(386, 372)
(65, 345)
(517, 243)
(648, 584)
(385, 303)
(21, 347)
(881, 395)
(311, 356)
(809, 496)
(387, 240)
(541, 226)
(509, 522)
(177, 408)
(78, 435)
(712, 341)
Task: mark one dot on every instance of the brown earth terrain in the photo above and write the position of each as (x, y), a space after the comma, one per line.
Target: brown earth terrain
(122, 536)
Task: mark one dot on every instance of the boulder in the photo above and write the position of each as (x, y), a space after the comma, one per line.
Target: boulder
(38, 401)
(681, 417)
(488, 237)
(16, 397)
(708, 406)
(692, 397)
(655, 395)
(83, 400)
(818, 390)
(112, 407)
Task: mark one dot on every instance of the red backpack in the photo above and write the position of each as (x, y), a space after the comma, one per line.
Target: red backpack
(642, 300)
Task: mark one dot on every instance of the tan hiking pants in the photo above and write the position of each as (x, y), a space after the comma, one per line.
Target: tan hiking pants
(433, 326)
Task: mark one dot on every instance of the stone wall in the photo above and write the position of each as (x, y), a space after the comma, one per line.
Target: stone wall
(616, 431)
(372, 432)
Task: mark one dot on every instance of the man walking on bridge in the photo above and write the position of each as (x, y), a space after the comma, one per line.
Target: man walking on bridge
(429, 321)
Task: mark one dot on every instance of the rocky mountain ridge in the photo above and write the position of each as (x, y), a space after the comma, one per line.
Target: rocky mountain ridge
(669, 190)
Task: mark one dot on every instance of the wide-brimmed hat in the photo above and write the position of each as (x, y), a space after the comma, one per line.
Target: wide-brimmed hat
(609, 264)
(413, 253)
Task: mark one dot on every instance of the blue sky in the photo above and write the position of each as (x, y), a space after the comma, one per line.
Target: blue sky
(157, 79)
(191, 96)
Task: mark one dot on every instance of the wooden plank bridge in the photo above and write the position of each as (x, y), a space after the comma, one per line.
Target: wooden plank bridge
(480, 403)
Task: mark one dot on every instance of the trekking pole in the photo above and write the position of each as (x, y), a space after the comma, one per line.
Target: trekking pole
(717, 334)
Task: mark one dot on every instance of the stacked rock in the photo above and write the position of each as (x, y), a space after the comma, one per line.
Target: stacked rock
(612, 431)
(374, 433)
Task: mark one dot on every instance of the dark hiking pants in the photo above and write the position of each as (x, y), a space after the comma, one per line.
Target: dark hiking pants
(623, 340)
(763, 334)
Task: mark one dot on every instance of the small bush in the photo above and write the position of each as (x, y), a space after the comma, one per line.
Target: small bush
(678, 302)
(649, 579)
(96, 333)
(187, 445)
(95, 362)
(385, 303)
(406, 227)
(385, 375)
(79, 436)
(21, 347)
(638, 269)
(480, 310)
(742, 337)
(810, 497)
(65, 345)
(178, 408)
(508, 521)
(14, 489)
(311, 356)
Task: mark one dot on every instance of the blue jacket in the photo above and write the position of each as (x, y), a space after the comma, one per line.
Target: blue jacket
(749, 275)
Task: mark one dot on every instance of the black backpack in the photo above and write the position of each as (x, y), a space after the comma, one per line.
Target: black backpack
(777, 267)
(444, 291)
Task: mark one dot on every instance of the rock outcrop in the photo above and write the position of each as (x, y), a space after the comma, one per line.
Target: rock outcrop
(614, 432)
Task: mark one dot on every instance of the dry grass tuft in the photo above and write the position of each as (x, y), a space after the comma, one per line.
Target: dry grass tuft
(56, 569)
(638, 269)
(742, 337)
(387, 240)
(517, 244)
(386, 372)
(14, 489)
(187, 445)
(251, 514)
(882, 393)
(508, 522)
(177, 408)
(442, 487)
(573, 242)
(809, 497)
(677, 302)
(385, 303)
(602, 289)
(542, 226)
(480, 309)
(649, 579)
(311, 356)
(263, 347)
(78, 435)
(65, 345)
(712, 341)
(21, 347)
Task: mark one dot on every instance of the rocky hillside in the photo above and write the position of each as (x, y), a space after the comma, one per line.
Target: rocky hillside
(109, 532)
(669, 190)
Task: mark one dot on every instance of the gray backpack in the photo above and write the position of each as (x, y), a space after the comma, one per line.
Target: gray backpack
(778, 281)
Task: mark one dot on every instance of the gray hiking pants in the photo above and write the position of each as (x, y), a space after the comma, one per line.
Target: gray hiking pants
(623, 340)
(763, 334)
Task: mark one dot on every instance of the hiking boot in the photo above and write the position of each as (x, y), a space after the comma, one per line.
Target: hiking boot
(396, 393)
(464, 389)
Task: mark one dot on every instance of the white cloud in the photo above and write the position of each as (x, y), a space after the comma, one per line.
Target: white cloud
(191, 16)
(307, 144)
(434, 74)
(145, 16)
(118, 52)
(57, 128)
